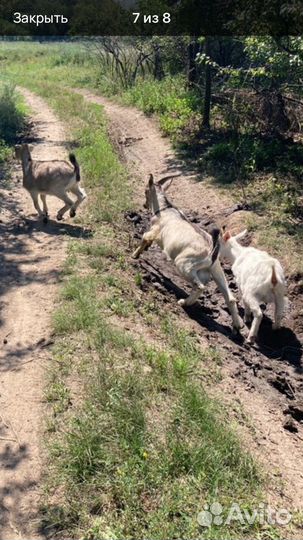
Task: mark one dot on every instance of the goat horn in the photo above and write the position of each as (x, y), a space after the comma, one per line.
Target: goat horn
(162, 180)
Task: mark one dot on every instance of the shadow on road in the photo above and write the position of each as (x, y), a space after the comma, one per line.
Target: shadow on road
(12, 494)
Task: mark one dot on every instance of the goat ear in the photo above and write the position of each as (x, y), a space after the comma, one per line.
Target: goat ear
(241, 235)
(226, 236)
(151, 180)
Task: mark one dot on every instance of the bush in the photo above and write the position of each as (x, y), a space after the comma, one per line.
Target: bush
(4, 152)
(241, 156)
(178, 109)
(222, 151)
(11, 118)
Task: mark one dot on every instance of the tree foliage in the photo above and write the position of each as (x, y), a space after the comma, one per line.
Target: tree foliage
(255, 81)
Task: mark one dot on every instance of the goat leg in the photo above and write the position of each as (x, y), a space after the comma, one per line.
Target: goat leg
(68, 204)
(81, 195)
(143, 247)
(34, 197)
(147, 240)
(220, 280)
(45, 209)
(257, 317)
(192, 298)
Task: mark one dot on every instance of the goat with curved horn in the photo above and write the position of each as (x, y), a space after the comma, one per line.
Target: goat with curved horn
(194, 253)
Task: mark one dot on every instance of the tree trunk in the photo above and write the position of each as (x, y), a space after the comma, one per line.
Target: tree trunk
(192, 72)
(158, 65)
(207, 92)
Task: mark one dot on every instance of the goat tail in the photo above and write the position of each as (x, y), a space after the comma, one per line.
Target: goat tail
(74, 162)
(274, 279)
(215, 234)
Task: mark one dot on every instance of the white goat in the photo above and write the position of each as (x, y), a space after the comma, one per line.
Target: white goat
(51, 178)
(192, 250)
(260, 279)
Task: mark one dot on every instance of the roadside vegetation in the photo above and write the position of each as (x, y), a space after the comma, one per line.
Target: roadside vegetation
(136, 445)
(12, 122)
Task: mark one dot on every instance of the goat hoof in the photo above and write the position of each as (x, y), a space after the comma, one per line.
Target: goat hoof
(59, 217)
(250, 340)
(237, 327)
(45, 220)
(72, 212)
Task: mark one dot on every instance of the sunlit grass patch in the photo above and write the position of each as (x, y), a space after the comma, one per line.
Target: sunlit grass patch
(115, 435)
(147, 444)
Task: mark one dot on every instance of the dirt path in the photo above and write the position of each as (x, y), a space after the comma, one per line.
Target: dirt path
(142, 146)
(266, 381)
(31, 255)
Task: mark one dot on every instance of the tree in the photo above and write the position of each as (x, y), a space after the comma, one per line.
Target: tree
(208, 81)
(192, 66)
(125, 58)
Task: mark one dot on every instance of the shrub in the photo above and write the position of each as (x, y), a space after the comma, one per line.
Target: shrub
(178, 109)
(241, 156)
(4, 152)
(223, 151)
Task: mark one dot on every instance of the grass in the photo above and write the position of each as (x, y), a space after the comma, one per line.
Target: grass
(48, 62)
(12, 123)
(147, 447)
(11, 115)
(178, 109)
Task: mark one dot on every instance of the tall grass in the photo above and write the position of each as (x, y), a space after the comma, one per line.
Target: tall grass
(12, 122)
(67, 64)
(11, 117)
(176, 107)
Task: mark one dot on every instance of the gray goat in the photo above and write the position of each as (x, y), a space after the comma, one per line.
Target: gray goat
(54, 177)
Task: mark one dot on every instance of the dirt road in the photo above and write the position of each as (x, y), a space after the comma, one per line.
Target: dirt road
(140, 143)
(266, 381)
(31, 256)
